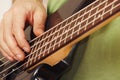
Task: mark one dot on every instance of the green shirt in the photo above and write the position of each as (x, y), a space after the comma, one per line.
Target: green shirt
(53, 5)
(101, 59)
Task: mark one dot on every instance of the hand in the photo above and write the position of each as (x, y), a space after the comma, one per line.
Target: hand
(12, 37)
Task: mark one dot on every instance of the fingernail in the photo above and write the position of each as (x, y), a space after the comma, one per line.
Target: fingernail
(26, 49)
(11, 59)
(15, 58)
(19, 57)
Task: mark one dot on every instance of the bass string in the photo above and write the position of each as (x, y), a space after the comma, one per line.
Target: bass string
(1, 59)
(64, 21)
(41, 47)
(47, 50)
(60, 23)
(70, 34)
(15, 69)
(33, 51)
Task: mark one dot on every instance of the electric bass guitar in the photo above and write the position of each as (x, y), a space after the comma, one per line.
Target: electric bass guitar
(54, 45)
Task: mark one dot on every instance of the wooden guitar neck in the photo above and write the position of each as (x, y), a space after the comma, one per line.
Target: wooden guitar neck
(51, 46)
(74, 28)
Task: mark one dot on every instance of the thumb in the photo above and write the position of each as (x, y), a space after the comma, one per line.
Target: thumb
(39, 22)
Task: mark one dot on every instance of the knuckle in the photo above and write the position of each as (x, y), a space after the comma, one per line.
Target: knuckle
(15, 10)
(22, 42)
(4, 37)
(5, 16)
(18, 10)
(35, 32)
(13, 46)
(43, 14)
(14, 31)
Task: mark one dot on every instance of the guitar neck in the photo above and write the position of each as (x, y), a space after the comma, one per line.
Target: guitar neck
(70, 29)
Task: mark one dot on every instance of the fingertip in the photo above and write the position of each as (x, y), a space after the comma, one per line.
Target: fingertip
(26, 49)
(6, 55)
(39, 22)
(38, 32)
(11, 59)
(20, 57)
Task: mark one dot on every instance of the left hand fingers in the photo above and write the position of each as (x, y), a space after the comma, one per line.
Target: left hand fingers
(39, 21)
(18, 30)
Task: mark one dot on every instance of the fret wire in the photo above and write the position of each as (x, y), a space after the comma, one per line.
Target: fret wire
(41, 50)
(35, 48)
(48, 40)
(68, 29)
(61, 34)
(87, 20)
(66, 19)
(63, 21)
(75, 23)
(88, 16)
(42, 37)
(69, 26)
(62, 40)
(104, 9)
(95, 15)
(50, 29)
(111, 8)
(35, 53)
(51, 35)
(24, 63)
(57, 36)
(36, 41)
(76, 31)
(65, 33)
(97, 6)
(58, 27)
(83, 14)
(98, 17)
(56, 32)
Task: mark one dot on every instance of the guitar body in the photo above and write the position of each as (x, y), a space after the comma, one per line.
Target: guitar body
(53, 62)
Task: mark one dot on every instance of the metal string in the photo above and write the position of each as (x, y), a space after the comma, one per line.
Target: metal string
(15, 64)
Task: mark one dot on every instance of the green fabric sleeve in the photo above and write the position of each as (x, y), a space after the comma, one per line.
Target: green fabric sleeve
(53, 5)
(101, 59)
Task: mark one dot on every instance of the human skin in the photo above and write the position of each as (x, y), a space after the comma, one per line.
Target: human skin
(13, 42)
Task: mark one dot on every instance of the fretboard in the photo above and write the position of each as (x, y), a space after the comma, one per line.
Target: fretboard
(70, 29)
